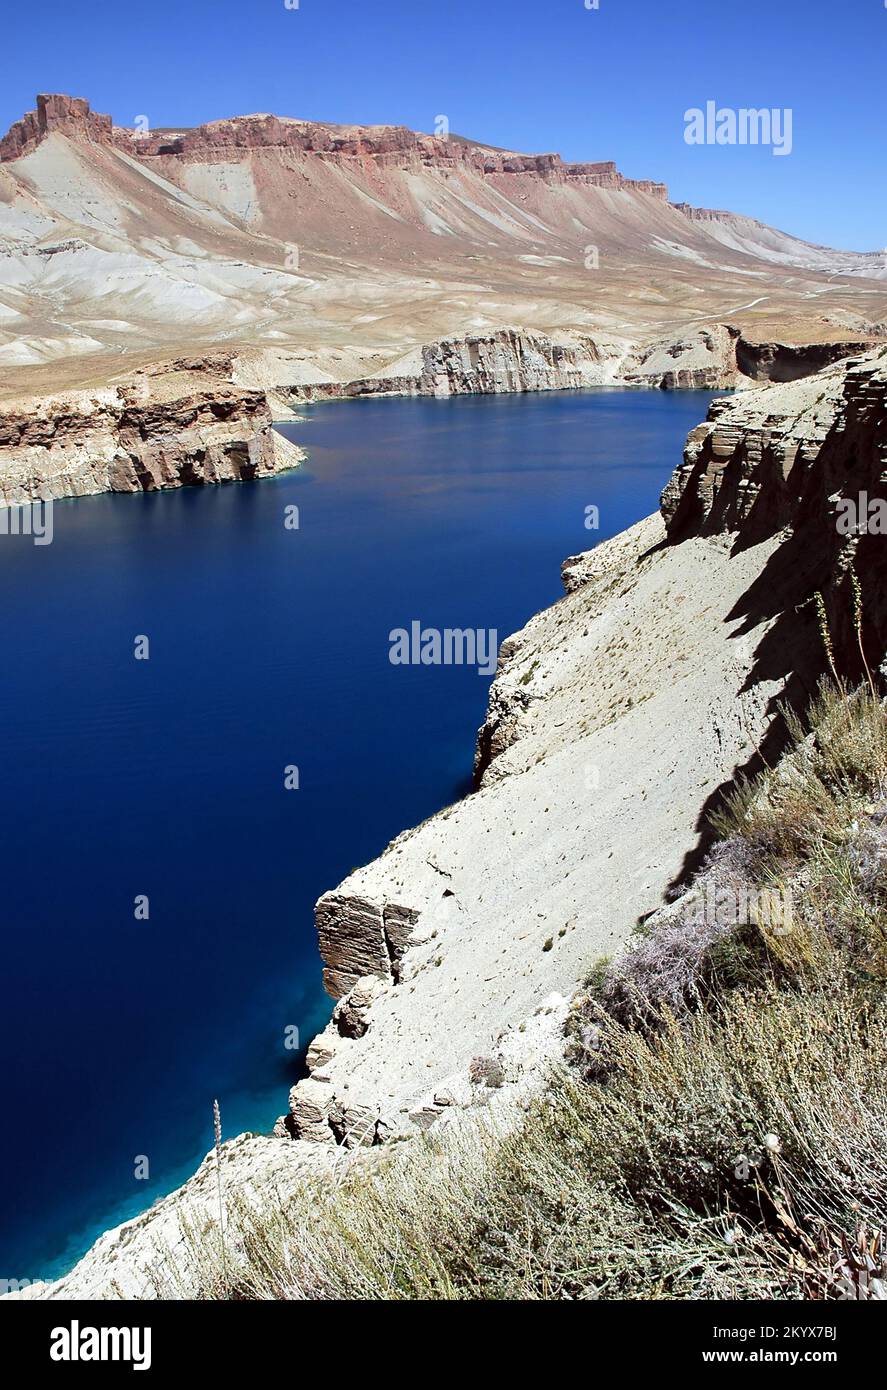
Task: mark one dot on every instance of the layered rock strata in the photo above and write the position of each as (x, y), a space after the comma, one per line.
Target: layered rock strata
(720, 357)
(199, 420)
(173, 429)
(69, 116)
(514, 891)
(392, 145)
(810, 456)
(513, 360)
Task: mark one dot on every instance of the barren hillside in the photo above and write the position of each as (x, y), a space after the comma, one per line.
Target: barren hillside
(345, 247)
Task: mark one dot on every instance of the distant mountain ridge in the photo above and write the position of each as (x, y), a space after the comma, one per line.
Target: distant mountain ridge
(73, 116)
(347, 247)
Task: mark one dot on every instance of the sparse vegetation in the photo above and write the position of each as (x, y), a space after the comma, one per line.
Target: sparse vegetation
(721, 1128)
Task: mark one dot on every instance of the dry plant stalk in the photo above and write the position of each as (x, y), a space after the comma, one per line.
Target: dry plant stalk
(217, 1133)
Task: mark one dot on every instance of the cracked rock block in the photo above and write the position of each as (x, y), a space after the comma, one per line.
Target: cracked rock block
(358, 937)
(318, 1054)
(351, 1014)
(309, 1109)
(351, 936)
(398, 923)
(353, 1126)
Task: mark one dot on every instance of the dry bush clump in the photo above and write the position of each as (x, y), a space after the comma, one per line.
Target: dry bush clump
(816, 789)
(733, 1156)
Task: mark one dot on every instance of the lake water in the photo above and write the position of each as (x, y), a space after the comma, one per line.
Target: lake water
(166, 777)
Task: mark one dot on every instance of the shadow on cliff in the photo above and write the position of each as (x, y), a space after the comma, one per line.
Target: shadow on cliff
(790, 653)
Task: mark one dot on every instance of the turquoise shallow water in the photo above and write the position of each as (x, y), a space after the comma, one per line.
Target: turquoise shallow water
(269, 647)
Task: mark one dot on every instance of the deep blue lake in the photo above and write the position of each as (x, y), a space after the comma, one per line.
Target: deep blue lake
(268, 647)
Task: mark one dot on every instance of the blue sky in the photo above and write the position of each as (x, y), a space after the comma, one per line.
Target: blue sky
(611, 83)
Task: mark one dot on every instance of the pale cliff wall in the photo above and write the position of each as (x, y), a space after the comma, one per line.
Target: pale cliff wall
(208, 419)
(514, 360)
(719, 357)
(725, 599)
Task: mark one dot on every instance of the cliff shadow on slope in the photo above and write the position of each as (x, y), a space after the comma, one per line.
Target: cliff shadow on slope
(802, 462)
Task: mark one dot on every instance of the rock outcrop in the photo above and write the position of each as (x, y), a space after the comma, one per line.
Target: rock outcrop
(387, 145)
(504, 360)
(198, 420)
(719, 357)
(173, 428)
(584, 815)
(513, 360)
(69, 116)
(698, 629)
(703, 360)
(761, 361)
(207, 419)
(810, 456)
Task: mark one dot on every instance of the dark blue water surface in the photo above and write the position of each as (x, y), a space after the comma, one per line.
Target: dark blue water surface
(165, 777)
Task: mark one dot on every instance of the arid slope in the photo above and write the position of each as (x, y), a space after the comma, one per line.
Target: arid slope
(348, 246)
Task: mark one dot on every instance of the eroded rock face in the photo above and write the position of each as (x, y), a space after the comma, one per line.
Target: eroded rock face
(513, 891)
(704, 359)
(761, 460)
(719, 357)
(501, 361)
(71, 116)
(359, 937)
(191, 420)
(510, 360)
(169, 429)
(351, 1015)
(380, 144)
(808, 458)
(790, 361)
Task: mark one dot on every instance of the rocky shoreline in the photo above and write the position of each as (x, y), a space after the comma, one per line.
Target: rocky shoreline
(615, 718)
(168, 428)
(209, 419)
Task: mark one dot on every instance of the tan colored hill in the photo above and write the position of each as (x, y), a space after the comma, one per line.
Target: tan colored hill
(343, 248)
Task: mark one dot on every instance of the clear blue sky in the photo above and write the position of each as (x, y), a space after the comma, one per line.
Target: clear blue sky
(611, 83)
